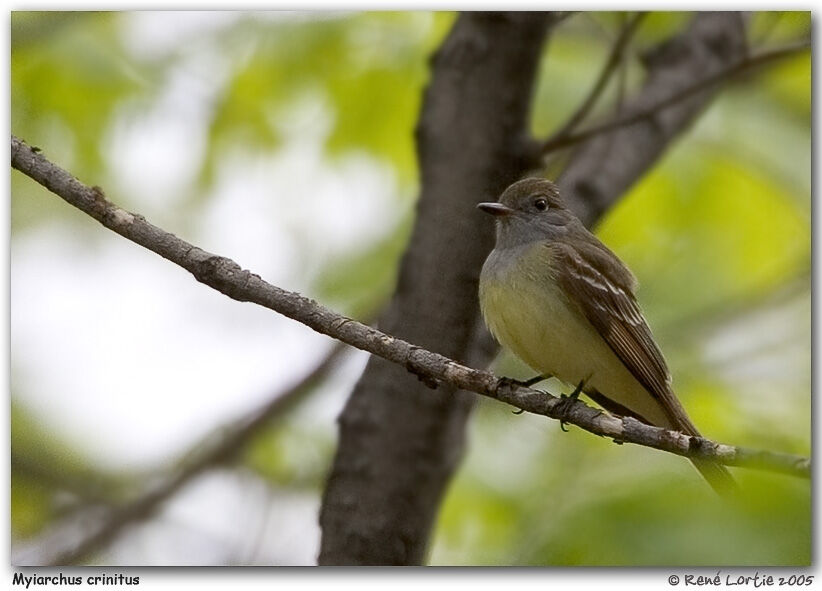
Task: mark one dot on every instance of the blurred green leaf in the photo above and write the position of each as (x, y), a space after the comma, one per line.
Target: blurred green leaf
(532, 495)
(370, 67)
(789, 82)
(69, 74)
(291, 456)
(359, 283)
(31, 506)
(701, 229)
(70, 85)
(767, 27)
(43, 465)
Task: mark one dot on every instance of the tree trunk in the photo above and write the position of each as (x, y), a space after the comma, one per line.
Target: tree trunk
(399, 440)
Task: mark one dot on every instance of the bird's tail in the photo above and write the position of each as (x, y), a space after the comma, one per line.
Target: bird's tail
(717, 476)
(673, 416)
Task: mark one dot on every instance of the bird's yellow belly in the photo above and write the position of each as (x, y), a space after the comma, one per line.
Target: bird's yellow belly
(535, 320)
(539, 327)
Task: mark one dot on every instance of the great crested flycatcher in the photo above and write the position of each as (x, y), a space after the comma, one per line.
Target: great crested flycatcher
(557, 297)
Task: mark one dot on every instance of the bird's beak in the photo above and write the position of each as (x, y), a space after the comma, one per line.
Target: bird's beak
(495, 209)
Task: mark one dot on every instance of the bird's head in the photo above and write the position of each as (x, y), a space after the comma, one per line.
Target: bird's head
(529, 210)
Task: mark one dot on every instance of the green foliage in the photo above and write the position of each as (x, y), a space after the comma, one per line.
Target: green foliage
(779, 26)
(531, 495)
(788, 82)
(705, 221)
(43, 464)
(697, 530)
(574, 59)
(370, 67)
(68, 75)
(65, 91)
(376, 267)
(31, 506)
(291, 456)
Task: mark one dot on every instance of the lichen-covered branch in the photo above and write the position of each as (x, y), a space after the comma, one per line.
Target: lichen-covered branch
(230, 279)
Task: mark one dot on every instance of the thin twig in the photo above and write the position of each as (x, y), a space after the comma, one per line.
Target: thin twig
(614, 59)
(622, 82)
(563, 16)
(201, 457)
(230, 279)
(557, 142)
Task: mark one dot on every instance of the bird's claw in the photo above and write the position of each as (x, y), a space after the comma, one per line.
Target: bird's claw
(526, 383)
(567, 401)
(535, 380)
(523, 384)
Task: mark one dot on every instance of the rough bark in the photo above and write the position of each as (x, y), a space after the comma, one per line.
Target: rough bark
(399, 440)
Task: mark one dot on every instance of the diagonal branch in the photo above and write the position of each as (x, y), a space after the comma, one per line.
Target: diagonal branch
(602, 168)
(564, 140)
(614, 59)
(202, 457)
(230, 279)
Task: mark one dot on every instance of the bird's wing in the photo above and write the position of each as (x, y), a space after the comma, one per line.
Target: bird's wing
(597, 281)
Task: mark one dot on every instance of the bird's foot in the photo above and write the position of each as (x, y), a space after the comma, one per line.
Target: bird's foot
(523, 384)
(535, 380)
(567, 401)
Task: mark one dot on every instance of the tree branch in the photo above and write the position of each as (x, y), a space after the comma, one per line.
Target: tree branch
(604, 166)
(564, 139)
(614, 58)
(230, 279)
(202, 456)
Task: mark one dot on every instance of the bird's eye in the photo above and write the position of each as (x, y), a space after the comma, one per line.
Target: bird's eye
(541, 204)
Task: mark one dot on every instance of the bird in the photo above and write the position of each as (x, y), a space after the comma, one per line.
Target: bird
(565, 304)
